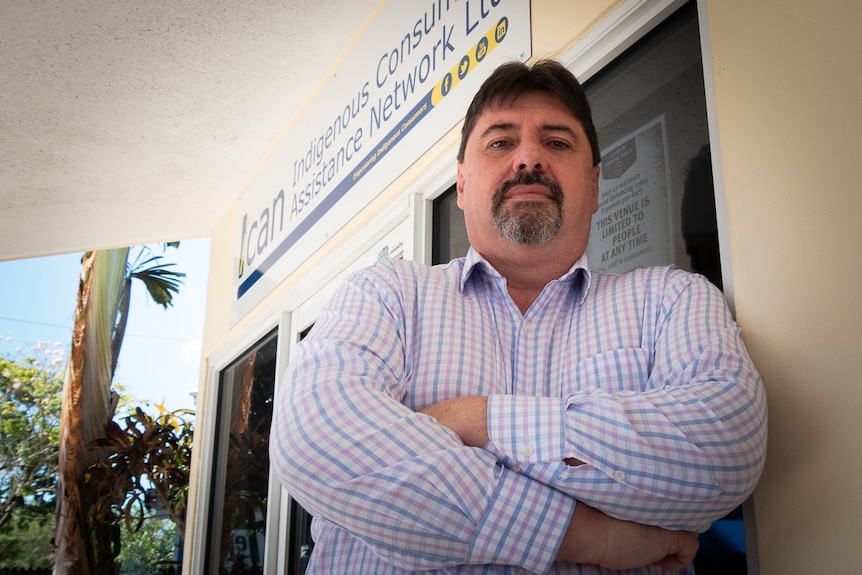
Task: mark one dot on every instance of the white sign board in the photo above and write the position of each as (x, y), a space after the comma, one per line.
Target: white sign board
(631, 227)
(407, 82)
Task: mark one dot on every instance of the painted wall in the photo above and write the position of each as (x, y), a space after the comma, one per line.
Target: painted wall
(786, 84)
(787, 89)
(556, 24)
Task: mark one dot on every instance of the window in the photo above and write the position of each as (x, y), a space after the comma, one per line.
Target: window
(448, 233)
(656, 203)
(238, 503)
(300, 543)
(649, 108)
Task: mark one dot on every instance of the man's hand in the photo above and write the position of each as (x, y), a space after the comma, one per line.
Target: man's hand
(592, 537)
(466, 416)
(595, 538)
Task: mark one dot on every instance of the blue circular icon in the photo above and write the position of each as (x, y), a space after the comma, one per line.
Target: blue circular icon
(481, 49)
(446, 85)
(463, 67)
(501, 29)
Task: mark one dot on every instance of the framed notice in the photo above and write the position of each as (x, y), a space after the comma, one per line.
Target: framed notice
(631, 228)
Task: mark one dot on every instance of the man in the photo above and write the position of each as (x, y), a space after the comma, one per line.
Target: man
(514, 411)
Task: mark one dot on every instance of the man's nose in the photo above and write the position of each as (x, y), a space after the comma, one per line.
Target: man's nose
(529, 158)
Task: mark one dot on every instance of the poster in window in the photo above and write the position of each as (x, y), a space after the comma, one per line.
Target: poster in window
(631, 227)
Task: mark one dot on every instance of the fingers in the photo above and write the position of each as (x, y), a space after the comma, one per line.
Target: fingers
(595, 538)
(688, 546)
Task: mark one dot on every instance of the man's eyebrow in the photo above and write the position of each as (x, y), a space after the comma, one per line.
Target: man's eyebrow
(560, 128)
(508, 126)
(499, 127)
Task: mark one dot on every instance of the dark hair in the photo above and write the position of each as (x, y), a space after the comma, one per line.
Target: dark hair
(514, 79)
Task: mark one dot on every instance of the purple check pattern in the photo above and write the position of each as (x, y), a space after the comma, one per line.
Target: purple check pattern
(642, 376)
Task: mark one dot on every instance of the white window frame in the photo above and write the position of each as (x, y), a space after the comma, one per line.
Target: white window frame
(205, 432)
(287, 315)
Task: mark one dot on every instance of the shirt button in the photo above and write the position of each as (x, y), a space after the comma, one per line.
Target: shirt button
(528, 450)
(620, 475)
(516, 469)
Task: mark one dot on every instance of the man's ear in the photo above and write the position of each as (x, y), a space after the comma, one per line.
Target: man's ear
(595, 188)
(459, 186)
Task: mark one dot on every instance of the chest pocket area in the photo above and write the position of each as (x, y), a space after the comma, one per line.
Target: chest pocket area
(615, 370)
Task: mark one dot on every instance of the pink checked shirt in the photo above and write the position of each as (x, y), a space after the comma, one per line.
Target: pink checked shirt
(642, 376)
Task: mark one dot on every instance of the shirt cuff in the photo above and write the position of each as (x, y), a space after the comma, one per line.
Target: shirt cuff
(528, 429)
(524, 525)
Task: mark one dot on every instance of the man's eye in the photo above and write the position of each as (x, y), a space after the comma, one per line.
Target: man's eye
(499, 144)
(559, 144)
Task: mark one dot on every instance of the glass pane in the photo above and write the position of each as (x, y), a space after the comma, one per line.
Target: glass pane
(656, 202)
(241, 464)
(449, 234)
(301, 543)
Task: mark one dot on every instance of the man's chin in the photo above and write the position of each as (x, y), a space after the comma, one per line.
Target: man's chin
(530, 232)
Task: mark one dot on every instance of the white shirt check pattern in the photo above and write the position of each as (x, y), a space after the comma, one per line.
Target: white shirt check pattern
(642, 376)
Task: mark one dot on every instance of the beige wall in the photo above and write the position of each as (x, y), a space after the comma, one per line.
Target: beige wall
(786, 87)
(556, 25)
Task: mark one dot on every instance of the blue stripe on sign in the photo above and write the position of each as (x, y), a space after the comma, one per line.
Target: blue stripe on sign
(410, 120)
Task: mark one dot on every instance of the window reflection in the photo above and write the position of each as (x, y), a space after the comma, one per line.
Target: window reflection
(241, 464)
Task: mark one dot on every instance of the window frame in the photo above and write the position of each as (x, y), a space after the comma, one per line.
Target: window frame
(207, 426)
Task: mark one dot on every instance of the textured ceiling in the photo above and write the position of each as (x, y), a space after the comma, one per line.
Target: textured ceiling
(132, 122)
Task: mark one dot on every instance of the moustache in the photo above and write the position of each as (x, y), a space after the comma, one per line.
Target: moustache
(527, 179)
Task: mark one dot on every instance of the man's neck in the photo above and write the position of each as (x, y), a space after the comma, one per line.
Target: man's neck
(528, 269)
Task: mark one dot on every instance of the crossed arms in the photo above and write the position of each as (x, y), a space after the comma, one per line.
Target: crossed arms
(424, 491)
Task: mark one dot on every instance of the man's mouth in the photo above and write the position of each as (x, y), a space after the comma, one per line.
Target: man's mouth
(528, 186)
(530, 192)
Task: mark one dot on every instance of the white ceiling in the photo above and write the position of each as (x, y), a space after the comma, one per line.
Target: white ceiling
(129, 122)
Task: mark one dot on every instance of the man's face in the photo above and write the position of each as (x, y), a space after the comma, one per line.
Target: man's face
(527, 177)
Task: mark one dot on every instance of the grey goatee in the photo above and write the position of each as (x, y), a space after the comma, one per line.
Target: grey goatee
(528, 222)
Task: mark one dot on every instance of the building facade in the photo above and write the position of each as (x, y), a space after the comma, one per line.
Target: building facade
(739, 110)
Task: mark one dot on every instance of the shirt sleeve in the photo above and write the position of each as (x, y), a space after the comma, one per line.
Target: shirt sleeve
(681, 449)
(350, 453)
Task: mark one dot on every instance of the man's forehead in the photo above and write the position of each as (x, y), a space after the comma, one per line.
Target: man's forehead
(510, 111)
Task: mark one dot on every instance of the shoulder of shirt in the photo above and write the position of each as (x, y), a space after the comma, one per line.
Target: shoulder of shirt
(409, 270)
(664, 277)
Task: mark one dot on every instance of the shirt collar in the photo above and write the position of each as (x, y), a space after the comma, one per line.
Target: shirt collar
(578, 276)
